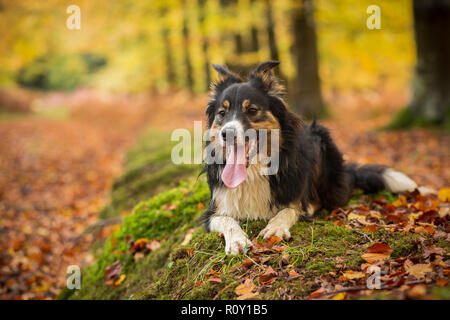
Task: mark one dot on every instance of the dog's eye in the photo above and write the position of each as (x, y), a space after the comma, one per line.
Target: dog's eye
(221, 113)
(252, 111)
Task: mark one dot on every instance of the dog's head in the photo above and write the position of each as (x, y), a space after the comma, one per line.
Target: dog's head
(242, 117)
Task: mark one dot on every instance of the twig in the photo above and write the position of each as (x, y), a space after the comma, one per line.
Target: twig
(363, 234)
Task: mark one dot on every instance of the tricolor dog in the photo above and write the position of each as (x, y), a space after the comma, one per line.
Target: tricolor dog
(309, 174)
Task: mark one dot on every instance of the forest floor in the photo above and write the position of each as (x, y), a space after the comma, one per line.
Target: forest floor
(57, 168)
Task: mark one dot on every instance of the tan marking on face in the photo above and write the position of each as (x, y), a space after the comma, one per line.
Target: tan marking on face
(226, 104)
(245, 103)
(269, 124)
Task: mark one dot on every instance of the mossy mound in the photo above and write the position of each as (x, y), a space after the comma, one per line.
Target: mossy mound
(181, 268)
(148, 170)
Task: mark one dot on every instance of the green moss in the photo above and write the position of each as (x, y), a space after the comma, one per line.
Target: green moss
(148, 170)
(442, 292)
(406, 119)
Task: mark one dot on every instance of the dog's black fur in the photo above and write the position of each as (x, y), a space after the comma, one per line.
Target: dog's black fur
(311, 167)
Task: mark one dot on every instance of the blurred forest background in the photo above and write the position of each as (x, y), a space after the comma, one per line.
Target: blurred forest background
(72, 102)
(143, 46)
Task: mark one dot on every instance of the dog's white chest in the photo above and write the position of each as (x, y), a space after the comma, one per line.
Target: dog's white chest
(250, 200)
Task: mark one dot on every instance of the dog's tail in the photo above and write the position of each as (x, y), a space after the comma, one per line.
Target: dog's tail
(372, 178)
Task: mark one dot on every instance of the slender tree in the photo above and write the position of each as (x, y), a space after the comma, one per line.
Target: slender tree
(270, 28)
(305, 92)
(186, 41)
(431, 81)
(205, 43)
(165, 32)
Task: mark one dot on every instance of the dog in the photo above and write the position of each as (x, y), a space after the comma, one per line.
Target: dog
(311, 172)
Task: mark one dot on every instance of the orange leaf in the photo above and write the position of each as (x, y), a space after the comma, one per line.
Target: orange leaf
(215, 280)
(350, 275)
(268, 277)
(379, 248)
(317, 293)
(374, 257)
(244, 290)
(293, 274)
(444, 194)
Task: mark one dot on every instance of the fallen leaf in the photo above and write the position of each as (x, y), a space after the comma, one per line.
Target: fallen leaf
(244, 290)
(120, 280)
(293, 274)
(268, 277)
(340, 296)
(379, 248)
(419, 270)
(370, 228)
(444, 194)
(190, 252)
(212, 272)
(354, 216)
(418, 290)
(374, 257)
(350, 275)
(215, 280)
(248, 262)
(317, 293)
(442, 282)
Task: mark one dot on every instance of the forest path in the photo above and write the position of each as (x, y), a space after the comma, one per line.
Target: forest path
(55, 174)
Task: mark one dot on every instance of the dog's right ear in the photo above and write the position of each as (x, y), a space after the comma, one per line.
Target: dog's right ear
(226, 78)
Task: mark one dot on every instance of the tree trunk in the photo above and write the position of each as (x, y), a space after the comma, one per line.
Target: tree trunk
(205, 44)
(170, 70)
(431, 81)
(270, 28)
(187, 56)
(305, 93)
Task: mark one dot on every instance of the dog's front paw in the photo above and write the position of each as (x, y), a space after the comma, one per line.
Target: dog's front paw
(237, 243)
(274, 229)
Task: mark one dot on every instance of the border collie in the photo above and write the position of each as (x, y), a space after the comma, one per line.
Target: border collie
(311, 172)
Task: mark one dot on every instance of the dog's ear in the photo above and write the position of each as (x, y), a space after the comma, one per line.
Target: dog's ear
(263, 78)
(226, 78)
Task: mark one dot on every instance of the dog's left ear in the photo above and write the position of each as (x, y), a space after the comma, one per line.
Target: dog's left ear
(226, 78)
(263, 78)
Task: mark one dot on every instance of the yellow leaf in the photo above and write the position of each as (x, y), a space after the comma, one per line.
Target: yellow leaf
(419, 270)
(120, 280)
(339, 296)
(350, 275)
(444, 194)
(354, 216)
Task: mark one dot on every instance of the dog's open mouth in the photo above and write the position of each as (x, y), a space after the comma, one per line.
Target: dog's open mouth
(237, 161)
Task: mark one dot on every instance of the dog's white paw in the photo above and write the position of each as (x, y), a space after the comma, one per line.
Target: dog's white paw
(274, 229)
(236, 243)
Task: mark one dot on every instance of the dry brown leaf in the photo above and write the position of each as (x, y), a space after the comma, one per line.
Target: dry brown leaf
(350, 275)
(379, 248)
(215, 280)
(419, 270)
(317, 293)
(268, 277)
(374, 257)
(244, 290)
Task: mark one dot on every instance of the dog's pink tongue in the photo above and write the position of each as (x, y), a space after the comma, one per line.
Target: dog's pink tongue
(235, 171)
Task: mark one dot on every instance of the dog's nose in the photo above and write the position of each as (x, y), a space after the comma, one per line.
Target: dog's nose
(228, 132)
